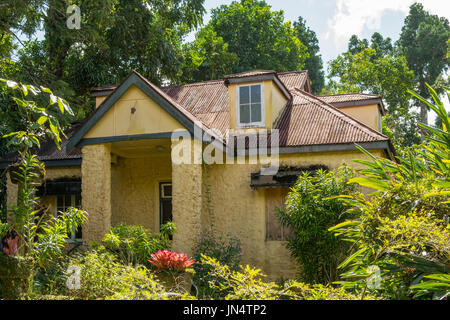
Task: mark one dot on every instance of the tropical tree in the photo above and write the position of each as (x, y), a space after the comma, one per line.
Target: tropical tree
(258, 36)
(207, 58)
(106, 47)
(363, 69)
(423, 41)
(313, 63)
(400, 233)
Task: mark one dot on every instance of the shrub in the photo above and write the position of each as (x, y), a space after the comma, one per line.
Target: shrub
(402, 230)
(247, 284)
(226, 250)
(135, 244)
(104, 277)
(309, 213)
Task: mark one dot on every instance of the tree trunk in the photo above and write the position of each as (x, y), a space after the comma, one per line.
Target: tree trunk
(423, 107)
(58, 38)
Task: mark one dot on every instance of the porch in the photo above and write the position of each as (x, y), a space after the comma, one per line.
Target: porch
(136, 182)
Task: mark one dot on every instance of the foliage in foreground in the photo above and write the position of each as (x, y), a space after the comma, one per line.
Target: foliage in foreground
(135, 244)
(226, 250)
(400, 234)
(247, 284)
(103, 276)
(33, 232)
(310, 215)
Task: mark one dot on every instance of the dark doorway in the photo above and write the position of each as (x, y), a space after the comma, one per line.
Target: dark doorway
(165, 202)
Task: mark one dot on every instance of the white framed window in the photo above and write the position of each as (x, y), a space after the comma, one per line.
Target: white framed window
(250, 111)
(64, 202)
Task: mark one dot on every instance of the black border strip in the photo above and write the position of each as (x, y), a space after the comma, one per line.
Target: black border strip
(159, 135)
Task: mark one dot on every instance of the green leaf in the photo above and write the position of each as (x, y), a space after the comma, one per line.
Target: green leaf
(12, 84)
(352, 257)
(370, 183)
(53, 99)
(47, 90)
(60, 104)
(24, 89)
(42, 120)
(444, 184)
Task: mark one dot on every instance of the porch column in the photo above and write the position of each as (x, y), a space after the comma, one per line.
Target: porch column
(96, 190)
(12, 192)
(187, 199)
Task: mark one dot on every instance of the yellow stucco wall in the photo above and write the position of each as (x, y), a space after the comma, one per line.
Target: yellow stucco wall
(278, 103)
(147, 118)
(53, 173)
(369, 115)
(240, 210)
(135, 190)
(99, 100)
(96, 190)
(187, 201)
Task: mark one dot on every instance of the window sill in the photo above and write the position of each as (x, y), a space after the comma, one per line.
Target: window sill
(75, 241)
(251, 126)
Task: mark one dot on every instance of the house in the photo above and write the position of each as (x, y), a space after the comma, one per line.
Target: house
(122, 163)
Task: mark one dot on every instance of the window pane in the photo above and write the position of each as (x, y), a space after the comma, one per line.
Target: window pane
(244, 95)
(256, 112)
(256, 93)
(67, 201)
(60, 202)
(78, 201)
(167, 190)
(245, 113)
(78, 233)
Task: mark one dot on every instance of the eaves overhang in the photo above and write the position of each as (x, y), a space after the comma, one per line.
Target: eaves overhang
(172, 108)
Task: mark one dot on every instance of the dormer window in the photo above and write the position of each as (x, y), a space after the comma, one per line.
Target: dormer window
(250, 106)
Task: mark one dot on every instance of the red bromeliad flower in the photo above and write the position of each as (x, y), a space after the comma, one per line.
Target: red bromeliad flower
(170, 261)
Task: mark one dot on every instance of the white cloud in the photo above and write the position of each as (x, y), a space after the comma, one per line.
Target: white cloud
(352, 16)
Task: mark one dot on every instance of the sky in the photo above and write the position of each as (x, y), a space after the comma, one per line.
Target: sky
(335, 21)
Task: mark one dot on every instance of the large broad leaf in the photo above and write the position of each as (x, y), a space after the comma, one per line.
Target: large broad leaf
(352, 257)
(371, 183)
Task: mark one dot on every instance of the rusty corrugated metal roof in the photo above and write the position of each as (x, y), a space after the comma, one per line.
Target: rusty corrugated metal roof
(336, 98)
(295, 80)
(305, 120)
(249, 74)
(49, 151)
(208, 100)
(354, 99)
(308, 120)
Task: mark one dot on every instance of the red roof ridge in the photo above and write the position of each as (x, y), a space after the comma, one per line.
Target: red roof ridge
(348, 94)
(249, 73)
(194, 84)
(343, 114)
(288, 72)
